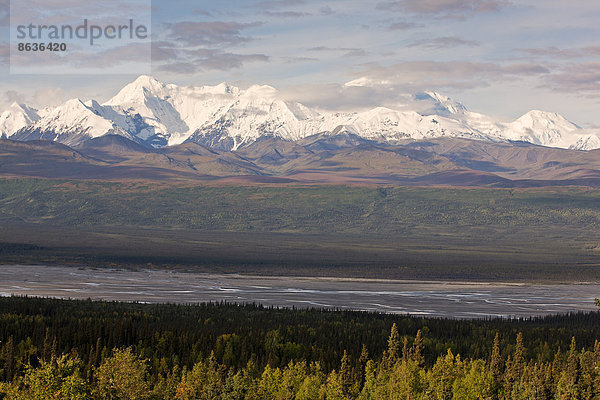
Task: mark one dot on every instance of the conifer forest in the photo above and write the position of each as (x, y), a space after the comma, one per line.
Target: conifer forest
(67, 349)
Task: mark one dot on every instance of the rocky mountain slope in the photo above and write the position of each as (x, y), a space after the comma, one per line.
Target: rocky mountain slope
(342, 158)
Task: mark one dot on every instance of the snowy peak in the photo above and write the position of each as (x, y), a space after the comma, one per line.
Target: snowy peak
(262, 91)
(172, 112)
(75, 115)
(146, 87)
(390, 125)
(147, 81)
(137, 91)
(144, 83)
(16, 117)
(70, 123)
(226, 117)
(544, 128)
(440, 104)
(254, 113)
(222, 88)
(71, 106)
(586, 142)
(546, 120)
(29, 112)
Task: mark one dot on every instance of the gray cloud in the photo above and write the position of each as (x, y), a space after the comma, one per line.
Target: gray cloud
(293, 60)
(286, 14)
(217, 59)
(163, 51)
(349, 52)
(179, 67)
(444, 42)
(4, 53)
(403, 25)
(583, 79)
(131, 52)
(278, 3)
(203, 12)
(12, 96)
(592, 50)
(390, 86)
(40, 98)
(443, 8)
(549, 52)
(427, 75)
(355, 53)
(524, 69)
(56, 12)
(326, 10)
(4, 12)
(213, 33)
(267, 8)
(334, 49)
(555, 52)
(192, 61)
(335, 97)
(200, 46)
(49, 97)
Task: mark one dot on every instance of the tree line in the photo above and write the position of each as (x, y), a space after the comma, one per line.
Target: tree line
(89, 349)
(400, 373)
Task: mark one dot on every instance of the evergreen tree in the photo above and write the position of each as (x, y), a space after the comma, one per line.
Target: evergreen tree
(10, 363)
(514, 370)
(567, 387)
(417, 350)
(495, 367)
(346, 375)
(393, 351)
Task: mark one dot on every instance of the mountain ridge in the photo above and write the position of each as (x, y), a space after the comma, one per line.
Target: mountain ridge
(342, 158)
(226, 118)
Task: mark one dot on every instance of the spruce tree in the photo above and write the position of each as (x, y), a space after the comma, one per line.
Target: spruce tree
(495, 367)
(393, 345)
(417, 350)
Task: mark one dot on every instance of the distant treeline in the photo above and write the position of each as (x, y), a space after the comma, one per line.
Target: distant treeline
(88, 349)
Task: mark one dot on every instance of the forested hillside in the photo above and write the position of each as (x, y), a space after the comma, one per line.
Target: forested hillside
(84, 349)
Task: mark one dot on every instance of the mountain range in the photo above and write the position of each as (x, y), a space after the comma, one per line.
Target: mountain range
(157, 131)
(224, 117)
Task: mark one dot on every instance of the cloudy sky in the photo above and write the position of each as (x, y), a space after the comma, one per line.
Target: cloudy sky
(498, 57)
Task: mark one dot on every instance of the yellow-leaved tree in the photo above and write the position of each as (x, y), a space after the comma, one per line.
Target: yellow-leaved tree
(122, 376)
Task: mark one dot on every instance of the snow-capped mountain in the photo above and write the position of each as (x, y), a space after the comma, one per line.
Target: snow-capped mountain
(226, 117)
(442, 105)
(385, 124)
(255, 112)
(173, 112)
(17, 116)
(71, 123)
(543, 128)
